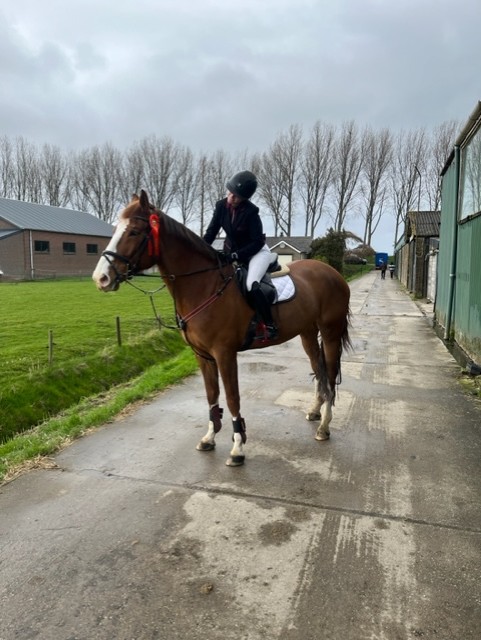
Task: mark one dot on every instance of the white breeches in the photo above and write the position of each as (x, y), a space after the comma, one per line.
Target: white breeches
(258, 266)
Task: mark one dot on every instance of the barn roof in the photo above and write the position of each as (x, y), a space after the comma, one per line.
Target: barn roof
(41, 217)
(424, 224)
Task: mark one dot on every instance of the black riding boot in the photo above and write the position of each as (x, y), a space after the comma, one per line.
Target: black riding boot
(264, 308)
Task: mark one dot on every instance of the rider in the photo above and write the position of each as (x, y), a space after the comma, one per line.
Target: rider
(245, 239)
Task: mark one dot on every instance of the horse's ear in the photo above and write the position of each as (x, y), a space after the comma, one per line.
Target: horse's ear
(144, 199)
(135, 197)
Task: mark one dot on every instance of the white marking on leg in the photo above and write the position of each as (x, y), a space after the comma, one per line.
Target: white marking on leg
(209, 437)
(326, 417)
(238, 448)
(315, 410)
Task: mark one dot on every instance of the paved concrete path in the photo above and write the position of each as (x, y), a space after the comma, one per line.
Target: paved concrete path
(374, 535)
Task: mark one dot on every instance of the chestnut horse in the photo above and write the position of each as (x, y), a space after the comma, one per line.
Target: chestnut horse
(214, 316)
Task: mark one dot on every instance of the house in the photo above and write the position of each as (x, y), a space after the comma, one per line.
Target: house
(290, 248)
(416, 253)
(40, 241)
(457, 315)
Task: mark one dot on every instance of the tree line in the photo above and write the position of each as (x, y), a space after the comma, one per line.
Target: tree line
(328, 174)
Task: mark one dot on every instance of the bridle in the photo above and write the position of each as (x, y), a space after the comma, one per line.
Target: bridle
(150, 239)
(132, 262)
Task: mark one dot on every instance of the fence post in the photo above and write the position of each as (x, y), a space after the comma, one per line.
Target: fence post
(50, 346)
(119, 336)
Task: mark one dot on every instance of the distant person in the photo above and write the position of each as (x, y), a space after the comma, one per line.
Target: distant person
(391, 269)
(383, 267)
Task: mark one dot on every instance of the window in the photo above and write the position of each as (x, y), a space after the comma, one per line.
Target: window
(41, 246)
(92, 248)
(69, 247)
(470, 202)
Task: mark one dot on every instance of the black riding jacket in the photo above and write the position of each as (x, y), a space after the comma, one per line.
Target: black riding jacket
(244, 233)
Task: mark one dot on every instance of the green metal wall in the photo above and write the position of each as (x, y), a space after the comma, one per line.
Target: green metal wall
(466, 311)
(446, 234)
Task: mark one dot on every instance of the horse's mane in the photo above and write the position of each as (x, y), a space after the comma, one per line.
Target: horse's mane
(187, 237)
(177, 230)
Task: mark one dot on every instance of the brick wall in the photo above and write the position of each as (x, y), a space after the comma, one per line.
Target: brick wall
(18, 258)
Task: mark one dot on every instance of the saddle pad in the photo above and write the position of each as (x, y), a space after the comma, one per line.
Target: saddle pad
(285, 288)
(283, 271)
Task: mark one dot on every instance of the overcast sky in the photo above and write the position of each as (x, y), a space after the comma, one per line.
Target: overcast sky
(232, 75)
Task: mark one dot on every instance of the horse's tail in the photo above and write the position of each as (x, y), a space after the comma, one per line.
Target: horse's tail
(346, 344)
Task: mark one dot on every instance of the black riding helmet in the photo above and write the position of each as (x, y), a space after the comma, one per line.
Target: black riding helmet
(243, 184)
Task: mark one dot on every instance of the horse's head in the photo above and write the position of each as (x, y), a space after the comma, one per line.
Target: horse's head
(133, 247)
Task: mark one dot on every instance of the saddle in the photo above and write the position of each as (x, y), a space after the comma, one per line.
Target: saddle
(256, 332)
(266, 284)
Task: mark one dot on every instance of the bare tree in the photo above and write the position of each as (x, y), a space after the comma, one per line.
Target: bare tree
(442, 142)
(409, 159)
(185, 194)
(269, 192)
(278, 171)
(219, 170)
(133, 173)
(7, 168)
(347, 168)
(54, 173)
(160, 158)
(97, 179)
(316, 174)
(377, 155)
(27, 184)
(201, 191)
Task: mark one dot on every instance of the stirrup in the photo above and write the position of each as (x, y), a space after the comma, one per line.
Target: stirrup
(272, 331)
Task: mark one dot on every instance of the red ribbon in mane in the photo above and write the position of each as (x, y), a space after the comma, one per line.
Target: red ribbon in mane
(154, 244)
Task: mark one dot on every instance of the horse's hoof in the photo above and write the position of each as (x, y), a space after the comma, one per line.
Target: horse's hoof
(235, 461)
(323, 435)
(205, 446)
(313, 416)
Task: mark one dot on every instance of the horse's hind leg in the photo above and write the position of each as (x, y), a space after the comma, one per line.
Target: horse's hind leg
(210, 374)
(321, 408)
(329, 369)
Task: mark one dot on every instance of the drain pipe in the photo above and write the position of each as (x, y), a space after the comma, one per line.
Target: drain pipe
(454, 255)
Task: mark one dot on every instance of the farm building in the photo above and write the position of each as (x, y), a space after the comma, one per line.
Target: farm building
(39, 241)
(416, 253)
(290, 248)
(457, 313)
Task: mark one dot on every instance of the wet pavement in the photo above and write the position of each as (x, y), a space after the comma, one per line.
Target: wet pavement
(373, 535)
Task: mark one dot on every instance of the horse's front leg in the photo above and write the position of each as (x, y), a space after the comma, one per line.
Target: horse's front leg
(210, 373)
(228, 370)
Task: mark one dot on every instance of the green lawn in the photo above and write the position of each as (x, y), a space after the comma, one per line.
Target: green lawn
(87, 359)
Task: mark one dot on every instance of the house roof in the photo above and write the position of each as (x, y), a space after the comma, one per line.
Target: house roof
(423, 224)
(41, 217)
(298, 243)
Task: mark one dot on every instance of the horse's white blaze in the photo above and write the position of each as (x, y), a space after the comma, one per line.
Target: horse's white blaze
(103, 267)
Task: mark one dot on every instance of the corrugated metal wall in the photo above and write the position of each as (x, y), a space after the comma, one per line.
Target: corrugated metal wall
(466, 310)
(446, 233)
(467, 305)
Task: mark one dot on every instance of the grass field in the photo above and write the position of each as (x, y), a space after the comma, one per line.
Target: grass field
(87, 359)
